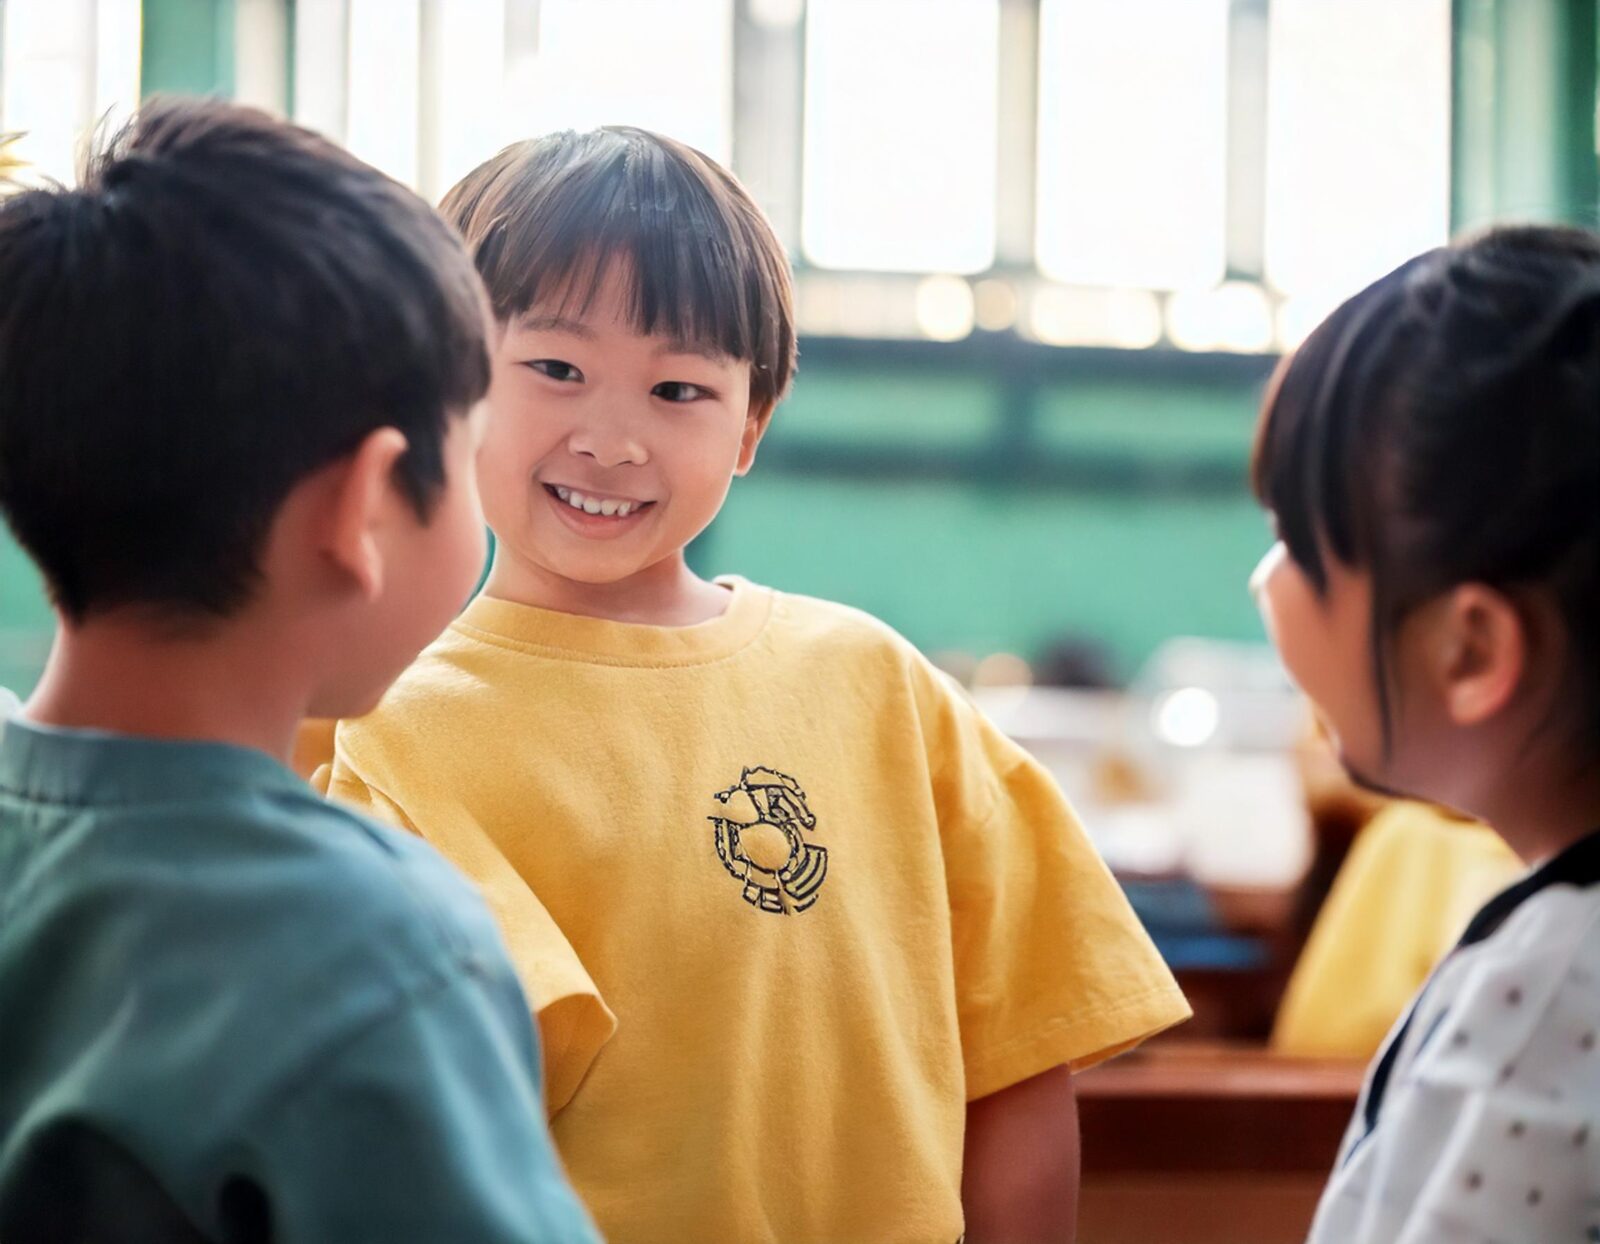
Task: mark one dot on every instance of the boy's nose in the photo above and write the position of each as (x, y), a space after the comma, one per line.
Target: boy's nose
(608, 447)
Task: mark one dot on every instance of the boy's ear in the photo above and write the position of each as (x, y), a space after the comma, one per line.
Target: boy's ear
(755, 427)
(363, 495)
(1477, 651)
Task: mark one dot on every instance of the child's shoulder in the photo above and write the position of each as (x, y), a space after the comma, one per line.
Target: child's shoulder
(1540, 968)
(843, 642)
(392, 922)
(318, 907)
(813, 623)
(1555, 923)
(355, 870)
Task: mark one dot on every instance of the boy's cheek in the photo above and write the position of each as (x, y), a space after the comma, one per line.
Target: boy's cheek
(502, 490)
(503, 453)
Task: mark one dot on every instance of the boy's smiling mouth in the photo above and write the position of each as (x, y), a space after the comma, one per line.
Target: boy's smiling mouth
(588, 505)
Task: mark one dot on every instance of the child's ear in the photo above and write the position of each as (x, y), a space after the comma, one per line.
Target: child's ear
(1478, 650)
(755, 427)
(363, 496)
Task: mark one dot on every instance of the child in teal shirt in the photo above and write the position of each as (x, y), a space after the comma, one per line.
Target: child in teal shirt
(238, 371)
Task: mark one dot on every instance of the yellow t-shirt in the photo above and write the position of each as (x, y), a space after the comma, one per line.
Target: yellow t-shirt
(825, 900)
(1413, 879)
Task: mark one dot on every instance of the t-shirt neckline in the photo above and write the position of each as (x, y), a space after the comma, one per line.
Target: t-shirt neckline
(82, 766)
(604, 641)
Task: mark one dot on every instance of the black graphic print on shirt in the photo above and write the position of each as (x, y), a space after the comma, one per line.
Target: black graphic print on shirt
(760, 840)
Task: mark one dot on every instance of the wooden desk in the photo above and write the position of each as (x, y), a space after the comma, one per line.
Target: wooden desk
(1206, 1144)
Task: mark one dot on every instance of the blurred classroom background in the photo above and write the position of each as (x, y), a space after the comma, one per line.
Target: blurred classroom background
(1047, 254)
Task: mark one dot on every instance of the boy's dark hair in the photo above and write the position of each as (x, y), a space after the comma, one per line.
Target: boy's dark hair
(545, 218)
(225, 305)
(1443, 427)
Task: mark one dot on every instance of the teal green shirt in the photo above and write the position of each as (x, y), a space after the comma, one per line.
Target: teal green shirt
(230, 1009)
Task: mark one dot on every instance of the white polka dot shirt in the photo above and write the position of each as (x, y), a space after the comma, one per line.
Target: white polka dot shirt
(1480, 1123)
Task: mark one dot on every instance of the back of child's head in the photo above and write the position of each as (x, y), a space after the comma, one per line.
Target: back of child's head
(547, 219)
(225, 305)
(1443, 427)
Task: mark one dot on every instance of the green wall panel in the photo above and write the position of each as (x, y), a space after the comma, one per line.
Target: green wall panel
(847, 405)
(1159, 418)
(188, 47)
(25, 619)
(979, 569)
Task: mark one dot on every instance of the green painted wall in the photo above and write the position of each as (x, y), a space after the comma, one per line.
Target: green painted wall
(982, 564)
(25, 620)
(187, 47)
(975, 569)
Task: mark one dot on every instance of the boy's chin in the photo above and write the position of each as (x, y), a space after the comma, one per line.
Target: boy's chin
(594, 571)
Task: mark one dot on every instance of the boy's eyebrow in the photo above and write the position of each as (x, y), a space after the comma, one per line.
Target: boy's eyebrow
(704, 349)
(533, 322)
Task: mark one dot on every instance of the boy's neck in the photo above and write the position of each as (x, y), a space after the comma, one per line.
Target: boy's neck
(665, 594)
(128, 677)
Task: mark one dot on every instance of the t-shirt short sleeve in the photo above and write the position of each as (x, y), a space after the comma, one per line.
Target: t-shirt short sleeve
(1052, 966)
(574, 1020)
(424, 1125)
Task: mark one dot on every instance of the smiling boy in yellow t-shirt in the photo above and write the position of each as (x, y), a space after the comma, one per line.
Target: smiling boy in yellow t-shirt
(814, 948)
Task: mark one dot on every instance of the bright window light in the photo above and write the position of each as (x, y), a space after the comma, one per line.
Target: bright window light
(1077, 315)
(1358, 102)
(261, 53)
(946, 309)
(321, 65)
(428, 92)
(662, 66)
(1234, 317)
(384, 85)
(1188, 718)
(118, 36)
(900, 134)
(1132, 142)
(777, 14)
(69, 66)
(465, 113)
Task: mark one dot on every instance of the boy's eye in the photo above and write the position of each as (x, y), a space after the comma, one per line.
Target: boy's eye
(680, 391)
(556, 370)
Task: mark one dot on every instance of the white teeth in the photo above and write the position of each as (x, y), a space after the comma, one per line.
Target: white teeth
(596, 505)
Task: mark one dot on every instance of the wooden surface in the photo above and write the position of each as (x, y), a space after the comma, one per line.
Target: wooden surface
(1206, 1144)
(1181, 1069)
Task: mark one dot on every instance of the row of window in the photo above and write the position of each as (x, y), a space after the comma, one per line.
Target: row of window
(1153, 132)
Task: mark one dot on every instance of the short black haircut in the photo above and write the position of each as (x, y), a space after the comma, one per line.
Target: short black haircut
(224, 305)
(547, 217)
(1443, 427)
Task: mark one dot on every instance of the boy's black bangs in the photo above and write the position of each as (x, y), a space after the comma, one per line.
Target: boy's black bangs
(607, 204)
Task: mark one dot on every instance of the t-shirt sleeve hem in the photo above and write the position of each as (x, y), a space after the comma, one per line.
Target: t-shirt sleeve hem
(1077, 1040)
(573, 1028)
